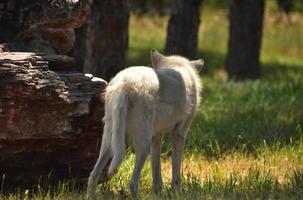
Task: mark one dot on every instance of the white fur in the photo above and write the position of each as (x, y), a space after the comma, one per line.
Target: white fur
(144, 103)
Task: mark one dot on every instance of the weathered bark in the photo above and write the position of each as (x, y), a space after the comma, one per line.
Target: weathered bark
(245, 35)
(50, 121)
(183, 27)
(102, 42)
(40, 26)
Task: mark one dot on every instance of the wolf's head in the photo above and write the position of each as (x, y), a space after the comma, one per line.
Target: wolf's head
(159, 60)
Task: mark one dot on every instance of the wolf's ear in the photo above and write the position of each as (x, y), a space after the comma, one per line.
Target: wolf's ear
(156, 58)
(198, 64)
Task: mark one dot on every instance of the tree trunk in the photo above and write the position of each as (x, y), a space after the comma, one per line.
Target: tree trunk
(183, 26)
(102, 43)
(50, 121)
(40, 26)
(246, 22)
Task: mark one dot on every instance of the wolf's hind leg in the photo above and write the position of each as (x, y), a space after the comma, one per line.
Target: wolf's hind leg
(177, 153)
(156, 163)
(141, 142)
(103, 158)
(178, 141)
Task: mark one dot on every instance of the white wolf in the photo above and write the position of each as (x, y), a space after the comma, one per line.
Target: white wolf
(144, 103)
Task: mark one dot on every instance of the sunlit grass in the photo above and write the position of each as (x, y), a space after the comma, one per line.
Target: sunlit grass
(235, 115)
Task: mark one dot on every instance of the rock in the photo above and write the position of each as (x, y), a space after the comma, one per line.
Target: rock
(54, 61)
(50, 121)
(41, 26)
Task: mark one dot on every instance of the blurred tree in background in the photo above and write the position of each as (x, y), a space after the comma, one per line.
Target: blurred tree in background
(101, 44)
(183, 27)
(245, 35)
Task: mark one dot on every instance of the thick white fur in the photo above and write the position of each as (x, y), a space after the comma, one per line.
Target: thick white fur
(144, 103)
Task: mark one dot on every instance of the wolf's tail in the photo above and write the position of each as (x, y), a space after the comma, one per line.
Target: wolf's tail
(119, 105)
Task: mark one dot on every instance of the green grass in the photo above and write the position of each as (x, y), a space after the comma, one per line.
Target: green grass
(245, 115)
(247, 139)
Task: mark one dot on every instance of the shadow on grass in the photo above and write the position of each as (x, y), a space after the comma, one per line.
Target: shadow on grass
(213, 61)
(274, 71)
(247, 116)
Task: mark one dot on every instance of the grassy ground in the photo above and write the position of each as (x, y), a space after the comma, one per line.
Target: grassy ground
(247, 140)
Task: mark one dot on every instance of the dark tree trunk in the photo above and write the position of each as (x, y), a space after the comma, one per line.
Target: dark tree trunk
(102, 43)
(40, 26)
(183, 26)
(246, 22)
